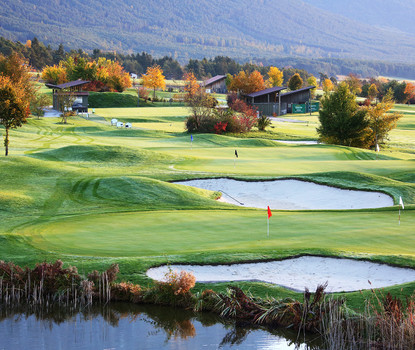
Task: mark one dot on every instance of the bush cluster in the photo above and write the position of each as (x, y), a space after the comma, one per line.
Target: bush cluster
(238, 118)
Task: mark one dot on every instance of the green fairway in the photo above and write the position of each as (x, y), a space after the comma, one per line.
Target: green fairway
(198, 231)
(92, 194)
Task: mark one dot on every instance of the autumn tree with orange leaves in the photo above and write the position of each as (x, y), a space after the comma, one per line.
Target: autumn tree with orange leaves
(247, 83)
(154, 79)
(16, 92)
(409, 92)
(191, 86)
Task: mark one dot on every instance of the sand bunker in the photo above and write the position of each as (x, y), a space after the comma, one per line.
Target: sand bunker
(308, 271)
(291, 194)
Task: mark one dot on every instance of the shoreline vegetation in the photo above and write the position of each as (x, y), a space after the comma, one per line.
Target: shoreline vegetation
(385, 323)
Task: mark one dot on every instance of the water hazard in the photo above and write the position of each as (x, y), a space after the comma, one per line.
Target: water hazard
(129, 326)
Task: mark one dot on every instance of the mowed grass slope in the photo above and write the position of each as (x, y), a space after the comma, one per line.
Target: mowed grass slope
(92, 194)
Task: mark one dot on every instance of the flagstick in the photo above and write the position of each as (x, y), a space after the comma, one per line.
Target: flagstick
(268, 227)
(234, 162)
(399, 216)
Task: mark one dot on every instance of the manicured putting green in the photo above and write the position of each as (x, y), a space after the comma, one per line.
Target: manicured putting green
(182, 231)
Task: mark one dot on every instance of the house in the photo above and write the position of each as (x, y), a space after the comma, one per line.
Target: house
(71, 88)
(216, 84)
(297, 97)
(266, 101)
(273, 101)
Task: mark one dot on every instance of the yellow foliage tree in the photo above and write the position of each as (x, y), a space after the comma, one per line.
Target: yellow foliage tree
(54, 74)
(381, 121)
(372, 92)
(327, 85)
(312, 81)
(154, 79)
(275, 77)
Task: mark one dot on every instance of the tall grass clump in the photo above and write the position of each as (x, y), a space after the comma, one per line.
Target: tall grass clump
(50, 283)
(387, 323)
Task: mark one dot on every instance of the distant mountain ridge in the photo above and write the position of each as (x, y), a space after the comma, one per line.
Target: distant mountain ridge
(205, 28)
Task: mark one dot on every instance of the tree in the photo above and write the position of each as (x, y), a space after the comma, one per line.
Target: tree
(17, 70)
(55, 74)
(342, 122)
(295, 82)
(312, 81)
(247, 83)
(154, 79)
(327, 86)
(17, 91)
(354, 83)
(201, 105)
(372, 92)
(275, 77)
(65, 101)
(14, 107)
(381, 121)
(39, 102)
(191, 85)
(409, 92)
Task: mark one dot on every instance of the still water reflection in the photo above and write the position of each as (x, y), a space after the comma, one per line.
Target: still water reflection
(126, 326)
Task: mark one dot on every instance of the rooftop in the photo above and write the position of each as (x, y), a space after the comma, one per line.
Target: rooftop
(68, 85)
(299, 90)
(267, 91)
(214, 79)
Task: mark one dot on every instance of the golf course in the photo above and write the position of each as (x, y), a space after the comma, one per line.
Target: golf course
(92, 194)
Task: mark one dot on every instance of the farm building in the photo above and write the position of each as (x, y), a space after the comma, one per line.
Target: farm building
(72, 88)
(266, 101)
(272, 101)
(216, 84)
(296, 97)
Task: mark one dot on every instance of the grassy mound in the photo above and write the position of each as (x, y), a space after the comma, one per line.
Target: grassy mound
(99, 154)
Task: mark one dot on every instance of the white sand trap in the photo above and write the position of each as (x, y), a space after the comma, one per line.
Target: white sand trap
(291, 194)
(308, 271)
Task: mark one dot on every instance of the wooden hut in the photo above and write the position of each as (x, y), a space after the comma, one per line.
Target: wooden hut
(268, 101)
(297, 97)
(216, 84)
(71, 88)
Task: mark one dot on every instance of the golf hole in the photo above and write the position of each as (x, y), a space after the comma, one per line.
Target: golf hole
(342, 275)
(290, 194)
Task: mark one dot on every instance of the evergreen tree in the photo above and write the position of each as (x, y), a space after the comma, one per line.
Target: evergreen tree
(342, 122)
(295, 82)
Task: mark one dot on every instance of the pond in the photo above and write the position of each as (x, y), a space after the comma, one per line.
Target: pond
(130, 326)
(290, 194)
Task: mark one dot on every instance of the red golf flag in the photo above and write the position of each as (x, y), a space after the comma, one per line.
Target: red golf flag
(269, 212)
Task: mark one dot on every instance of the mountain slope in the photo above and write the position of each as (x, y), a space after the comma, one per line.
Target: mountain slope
(238, 28)
(397, 15)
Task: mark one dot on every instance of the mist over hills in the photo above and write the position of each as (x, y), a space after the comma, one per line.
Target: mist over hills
(241, 29)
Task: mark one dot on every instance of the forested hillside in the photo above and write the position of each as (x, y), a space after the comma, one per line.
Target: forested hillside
(393, 14)
(188, 28)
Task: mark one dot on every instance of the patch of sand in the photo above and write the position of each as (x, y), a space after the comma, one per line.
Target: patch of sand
(291, 194)
(308, 271)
